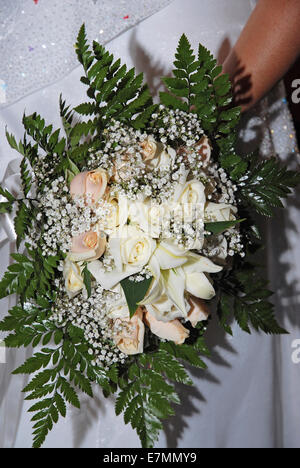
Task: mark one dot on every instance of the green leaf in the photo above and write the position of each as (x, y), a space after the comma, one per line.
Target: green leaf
(266, 184)
(225, 312)
(165, 363)
(87, 280)
(221, 226)
(114, 91)
(185, 352)
(135, 292)
(6, 194)
(145, 402)
(82, 50)
(6, 207)
(245, 294)
(60, 404)
(69, 392)
(25, 177)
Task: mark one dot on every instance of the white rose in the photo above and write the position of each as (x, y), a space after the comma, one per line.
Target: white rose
(73, 279)
(112, 218)
(163, 159)
(189, 201)
(122, 170)
(216, 212)
(119, 310)
(131, 250)
(132, 247)
(148, 216)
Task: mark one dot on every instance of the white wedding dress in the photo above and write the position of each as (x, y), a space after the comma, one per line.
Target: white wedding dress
(250, 395)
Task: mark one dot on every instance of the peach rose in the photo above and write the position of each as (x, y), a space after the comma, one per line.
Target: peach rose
(171, 331)
(88, 246)
(199, 311)
(90, 183)
(131, 339)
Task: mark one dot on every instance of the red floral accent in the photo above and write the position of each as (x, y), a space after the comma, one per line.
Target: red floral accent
(126, 17)
(36, 1)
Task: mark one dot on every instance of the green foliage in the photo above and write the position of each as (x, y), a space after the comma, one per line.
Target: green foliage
(147, 388)
(266, 183)
(198, 86)
(13, 144)
(30, 275)
(43, 134)
(135, 292)
(22, 222)
(25, 177)
(67, 117)
(6, 207)
(146, 401)
(87, 280)
(188, 353)
(221, 226)
(6, 194)
(30, 324)
(58, 372)
(262, 184)
(115, 91)
(244, 295)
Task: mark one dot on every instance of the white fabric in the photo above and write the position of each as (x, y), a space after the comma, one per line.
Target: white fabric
(250, 395)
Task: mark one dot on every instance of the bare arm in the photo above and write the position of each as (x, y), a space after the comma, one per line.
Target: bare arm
(265, 50)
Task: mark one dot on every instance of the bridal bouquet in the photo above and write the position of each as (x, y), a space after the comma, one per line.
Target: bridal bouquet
(132, 229)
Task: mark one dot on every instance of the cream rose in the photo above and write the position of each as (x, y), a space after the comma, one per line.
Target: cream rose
(73, 279)
(162, 159)
(92, 185)
(131, 246)
(188, 201)
(88, 246)
(112, 219)
(131, 249)
(150, 148)
(192, 191)
(129, 333)
(171, 331)
(215, 212)
(147, 216)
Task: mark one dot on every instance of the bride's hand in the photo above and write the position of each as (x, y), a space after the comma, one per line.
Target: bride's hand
(265, 50)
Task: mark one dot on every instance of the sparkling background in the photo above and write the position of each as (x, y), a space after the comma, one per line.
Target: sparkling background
(37, 37)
